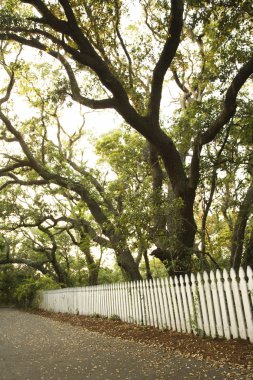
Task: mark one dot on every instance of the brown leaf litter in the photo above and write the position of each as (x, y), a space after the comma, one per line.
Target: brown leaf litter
(237, 352)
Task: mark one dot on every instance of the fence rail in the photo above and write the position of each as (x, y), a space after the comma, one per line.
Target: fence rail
(219, 304)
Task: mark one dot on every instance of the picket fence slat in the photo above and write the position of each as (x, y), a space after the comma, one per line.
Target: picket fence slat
(139, 299)
(149, 304)
(158, 304)
(231, 305)
(216, 304)
(197, 309)
(238, 303)
(223, 304)
(246, 304)
(250, 282)
(175, 305)
(209, 303)
(190, 304)
(167, 324)
(170, 305)
(146, 314)
(185, 304)
(180, 305)
(203, 305)
(161, 303)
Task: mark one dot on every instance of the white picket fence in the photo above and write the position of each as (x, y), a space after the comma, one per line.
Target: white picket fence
(218, 304)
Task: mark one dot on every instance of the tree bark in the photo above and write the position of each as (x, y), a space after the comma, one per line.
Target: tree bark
(126, 261)
(93, 267)
(248, 254)
(148, 270)
(239, 229)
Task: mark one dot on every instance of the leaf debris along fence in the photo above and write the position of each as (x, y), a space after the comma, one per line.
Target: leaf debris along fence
(219, 304)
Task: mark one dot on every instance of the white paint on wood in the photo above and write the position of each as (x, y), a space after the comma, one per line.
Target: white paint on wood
(238, 305)
(168, 323)
(147, 310)
(153, 305)
(161, 303)
(175, 305)
(196, 304)
(192, 316)
(216, 304)
(221, 305)
(250, 282)
(231, 306)
(185, 304)
(247, 306)
(170, 304)
(157, 303)
(180, 304)
(209, 304)
(202, 298)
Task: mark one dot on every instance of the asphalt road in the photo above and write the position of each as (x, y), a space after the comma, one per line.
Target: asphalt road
(33, 348)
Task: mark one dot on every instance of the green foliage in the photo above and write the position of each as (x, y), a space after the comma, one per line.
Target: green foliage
(8, 282)
(124, 208)
(108, 275)
(157, 268)
(19, 286)
(26, 292)
(114, 317)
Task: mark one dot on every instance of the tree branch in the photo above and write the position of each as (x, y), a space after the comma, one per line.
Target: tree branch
(6, 97)
(79, 223)
(76, 94)
(47, 16)
(229, 105)
(36, 265)
(180, 84)
(78, 188)
(94, 182)
(130, 65)
(166, 57)
(211, 193)
(227, 112)
(19, 164)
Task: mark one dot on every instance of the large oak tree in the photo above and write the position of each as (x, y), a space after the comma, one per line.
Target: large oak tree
(90, 41)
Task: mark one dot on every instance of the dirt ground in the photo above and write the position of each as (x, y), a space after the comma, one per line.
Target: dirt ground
(236, 352)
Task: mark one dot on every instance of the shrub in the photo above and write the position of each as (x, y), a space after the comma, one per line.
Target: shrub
(26, 293)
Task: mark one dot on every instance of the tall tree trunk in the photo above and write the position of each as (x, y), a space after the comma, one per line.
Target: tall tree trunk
(187, 235)
(126, 261)
(93, 267)
(177, 257)
(248, 254)
(148, 270)
(62, 276)
(239, 229)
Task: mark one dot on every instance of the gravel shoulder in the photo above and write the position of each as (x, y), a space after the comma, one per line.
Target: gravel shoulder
(47, 346)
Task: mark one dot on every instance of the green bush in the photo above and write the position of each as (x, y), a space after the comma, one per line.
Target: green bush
(26, 293)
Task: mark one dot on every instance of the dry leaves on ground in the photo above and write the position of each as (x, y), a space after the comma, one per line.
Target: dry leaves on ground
(237, 352)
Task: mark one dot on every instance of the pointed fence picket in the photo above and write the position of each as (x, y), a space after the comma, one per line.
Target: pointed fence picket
(216, 306)
(170, 305)
(175, 305)
(197, 322)
(209, 303)
(219, 304)
(250, 283)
